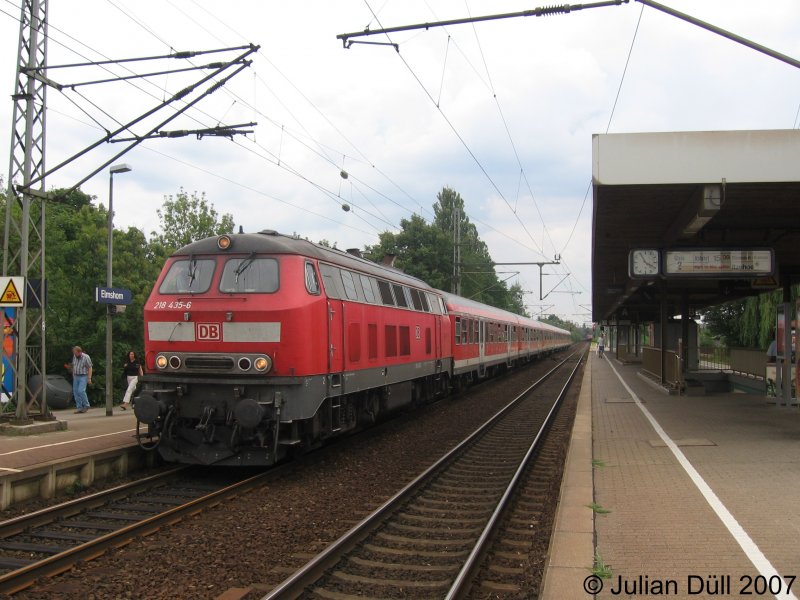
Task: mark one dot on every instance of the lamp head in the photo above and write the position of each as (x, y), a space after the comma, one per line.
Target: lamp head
(120, 168)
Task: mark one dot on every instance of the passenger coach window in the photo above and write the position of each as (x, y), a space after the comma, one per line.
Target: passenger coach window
(190, 276)
(247, 275)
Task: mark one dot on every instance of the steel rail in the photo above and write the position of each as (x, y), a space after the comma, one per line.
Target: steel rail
(293, 586)
(21, 578)
(464, 578)
(17, 525)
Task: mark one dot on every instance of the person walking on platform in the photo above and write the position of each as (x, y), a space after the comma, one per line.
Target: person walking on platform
(133, 370)
(601, 345)
(81, 368)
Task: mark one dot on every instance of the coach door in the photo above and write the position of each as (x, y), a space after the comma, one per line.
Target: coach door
(482, 348)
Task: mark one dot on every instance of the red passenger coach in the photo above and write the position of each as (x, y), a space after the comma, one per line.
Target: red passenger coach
(257, 344)
(487, 339)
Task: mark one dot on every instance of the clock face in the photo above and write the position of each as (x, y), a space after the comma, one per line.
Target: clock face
(644, 263)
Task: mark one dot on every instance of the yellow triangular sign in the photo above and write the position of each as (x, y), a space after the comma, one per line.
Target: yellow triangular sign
(10, 294)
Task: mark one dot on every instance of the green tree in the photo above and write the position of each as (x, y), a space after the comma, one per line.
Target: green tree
(724, 320)
(425, 250)
(75, 264)
(185, 219)
(479, 281)
(422, 251)
(576, 332)
(516, 300)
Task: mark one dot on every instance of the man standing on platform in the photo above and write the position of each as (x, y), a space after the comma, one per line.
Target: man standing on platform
(81, 376)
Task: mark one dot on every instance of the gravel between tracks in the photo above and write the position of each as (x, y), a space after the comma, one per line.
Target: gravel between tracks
(250, 539)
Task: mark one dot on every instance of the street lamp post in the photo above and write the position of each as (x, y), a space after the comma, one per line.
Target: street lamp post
(120, 168)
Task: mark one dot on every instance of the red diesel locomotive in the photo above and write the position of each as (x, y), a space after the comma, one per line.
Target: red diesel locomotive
(258, 344)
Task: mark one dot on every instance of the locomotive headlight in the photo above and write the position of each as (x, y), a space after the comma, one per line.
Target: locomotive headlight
(175, 362)
(263, 363)
(244, 363)
(223, 242)
(161, 361)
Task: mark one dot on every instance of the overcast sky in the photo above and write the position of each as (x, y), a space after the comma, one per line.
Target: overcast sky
(502, 112)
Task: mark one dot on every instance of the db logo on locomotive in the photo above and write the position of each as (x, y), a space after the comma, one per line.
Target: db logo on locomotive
(207, 331)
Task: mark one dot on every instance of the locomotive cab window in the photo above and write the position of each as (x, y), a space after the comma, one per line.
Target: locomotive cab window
(312, 284)
(250, 274)
(190, 276)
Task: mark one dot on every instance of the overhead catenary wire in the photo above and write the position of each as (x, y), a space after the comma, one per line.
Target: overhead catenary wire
(234, 182)
(394, 183)
(610, 119)
(461, 139)
(122, 78)
(107, 62)
(523, 176)
(313, 105)
(511, 141)
(316, 109)
(257, 191)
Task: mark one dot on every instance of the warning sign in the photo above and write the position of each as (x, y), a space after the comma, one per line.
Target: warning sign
(12, 290)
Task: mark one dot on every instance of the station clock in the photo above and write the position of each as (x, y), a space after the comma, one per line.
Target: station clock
(644, 263)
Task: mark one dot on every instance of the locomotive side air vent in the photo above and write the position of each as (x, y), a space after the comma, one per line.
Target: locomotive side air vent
(209, 362)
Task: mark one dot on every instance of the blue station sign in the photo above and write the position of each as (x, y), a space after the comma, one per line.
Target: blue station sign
(112, 295)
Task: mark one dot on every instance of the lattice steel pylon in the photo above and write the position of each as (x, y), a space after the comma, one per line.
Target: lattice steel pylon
(24, 234)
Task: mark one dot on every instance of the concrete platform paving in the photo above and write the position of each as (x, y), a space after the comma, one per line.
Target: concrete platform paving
(87, 432)
(702, 495)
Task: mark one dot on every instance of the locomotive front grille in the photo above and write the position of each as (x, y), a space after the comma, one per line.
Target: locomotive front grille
(218, 363)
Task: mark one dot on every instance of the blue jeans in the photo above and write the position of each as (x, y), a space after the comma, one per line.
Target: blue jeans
(79, 390)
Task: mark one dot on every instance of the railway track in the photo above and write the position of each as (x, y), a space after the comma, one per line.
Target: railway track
(429, 540)
(52, 540)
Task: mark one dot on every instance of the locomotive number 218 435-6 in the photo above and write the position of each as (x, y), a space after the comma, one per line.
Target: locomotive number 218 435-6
(179, 304)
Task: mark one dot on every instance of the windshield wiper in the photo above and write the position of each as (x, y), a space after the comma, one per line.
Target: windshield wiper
(244, 265)
(192, 273)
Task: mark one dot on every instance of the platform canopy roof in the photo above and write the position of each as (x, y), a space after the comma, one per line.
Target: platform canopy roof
(705, 198)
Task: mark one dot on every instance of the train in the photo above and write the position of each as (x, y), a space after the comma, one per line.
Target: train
(262, 345)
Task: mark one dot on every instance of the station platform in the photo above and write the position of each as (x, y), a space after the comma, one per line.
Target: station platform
(687, 497)
(88, 432)
(93, 446)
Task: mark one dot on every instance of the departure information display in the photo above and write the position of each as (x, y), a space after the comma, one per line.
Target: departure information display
(738, 263)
